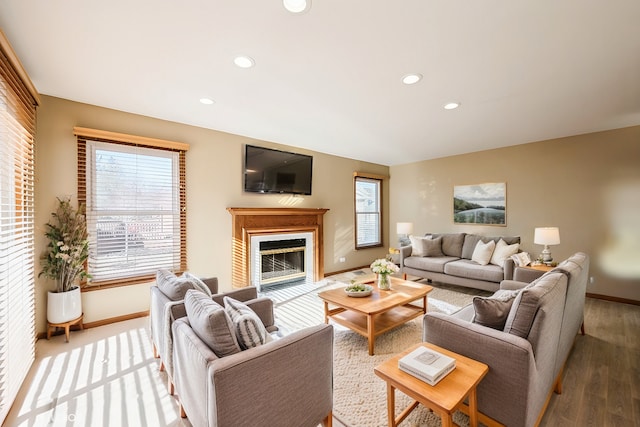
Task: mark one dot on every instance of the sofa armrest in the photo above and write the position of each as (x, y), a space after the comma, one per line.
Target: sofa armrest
(508, 268)
(405, 252)
(263, 307)
(212, 284)
(512, 285)
(527, 275)
(215, 391)
(240, 294)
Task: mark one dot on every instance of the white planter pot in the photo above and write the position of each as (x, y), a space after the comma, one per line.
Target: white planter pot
(64, 306)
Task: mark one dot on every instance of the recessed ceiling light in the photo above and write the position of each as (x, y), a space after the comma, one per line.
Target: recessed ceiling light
(244, 61)
(297, 6)
(410, 79)
(207, 101)
(451, 105)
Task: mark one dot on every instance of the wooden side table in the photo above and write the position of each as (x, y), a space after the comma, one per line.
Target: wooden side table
(445, 397)
(65, 325)
(540, 267)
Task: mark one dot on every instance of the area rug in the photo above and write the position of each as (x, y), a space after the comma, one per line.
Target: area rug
(359, 394)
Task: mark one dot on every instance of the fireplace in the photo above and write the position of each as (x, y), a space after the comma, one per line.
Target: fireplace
(281, 259)
(251, 226)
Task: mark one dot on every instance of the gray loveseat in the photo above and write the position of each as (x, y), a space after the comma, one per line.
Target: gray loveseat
(454, 264)
(525, 357)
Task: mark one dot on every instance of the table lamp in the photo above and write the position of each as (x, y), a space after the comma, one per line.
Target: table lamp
(404, 229)
(546, 236)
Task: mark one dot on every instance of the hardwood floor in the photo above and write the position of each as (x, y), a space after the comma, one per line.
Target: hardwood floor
(601, 384)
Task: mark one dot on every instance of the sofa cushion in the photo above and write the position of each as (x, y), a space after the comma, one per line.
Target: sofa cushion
(524, 308)
(451, 243)
(471, 240)
(172, 286)
(249, 329)
(433, 264)
(211, 323)
(483, 251)
(493, 311)
(503, 251)
(472, 270)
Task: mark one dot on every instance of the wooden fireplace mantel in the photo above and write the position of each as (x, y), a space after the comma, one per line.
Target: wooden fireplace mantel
(249, 222)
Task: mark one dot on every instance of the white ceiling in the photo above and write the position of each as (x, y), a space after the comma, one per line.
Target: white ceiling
(329, 79)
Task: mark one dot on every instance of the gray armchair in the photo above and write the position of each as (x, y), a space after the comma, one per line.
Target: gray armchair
(285, 382)
(163, 311)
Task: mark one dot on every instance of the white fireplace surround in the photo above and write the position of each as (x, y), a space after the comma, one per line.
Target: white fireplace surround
(255, 267)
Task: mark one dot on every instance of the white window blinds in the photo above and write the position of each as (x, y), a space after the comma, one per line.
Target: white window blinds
(18, 101)
(368, 208)
(134, 197)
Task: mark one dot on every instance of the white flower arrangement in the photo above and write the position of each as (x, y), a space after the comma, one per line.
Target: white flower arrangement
(383, 266)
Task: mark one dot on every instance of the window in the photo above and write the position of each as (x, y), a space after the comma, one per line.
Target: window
(368, 208)
(135, 203)
(18, 101)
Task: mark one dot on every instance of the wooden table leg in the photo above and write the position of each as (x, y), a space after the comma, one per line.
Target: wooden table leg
(326, 312)
(473, 408)
(447, 421)
(370, 333)
(424, 304)
(391, 405)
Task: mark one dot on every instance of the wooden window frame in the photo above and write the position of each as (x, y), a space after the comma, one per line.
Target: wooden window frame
(85, 134)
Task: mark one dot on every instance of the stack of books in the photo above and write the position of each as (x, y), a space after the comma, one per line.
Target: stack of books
(427, 365)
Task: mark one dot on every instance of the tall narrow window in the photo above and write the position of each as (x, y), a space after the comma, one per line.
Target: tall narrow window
(368, 208)
(135, 203)
(18, 101)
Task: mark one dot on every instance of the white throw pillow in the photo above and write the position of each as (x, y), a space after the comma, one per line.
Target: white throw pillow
(417, 247)
(502, 252)
(483, 251)
(250, 330)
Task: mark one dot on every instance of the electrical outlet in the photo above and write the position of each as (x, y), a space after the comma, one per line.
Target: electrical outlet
(343, 259)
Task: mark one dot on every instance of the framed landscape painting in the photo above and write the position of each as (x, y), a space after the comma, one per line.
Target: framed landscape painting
(482, 204)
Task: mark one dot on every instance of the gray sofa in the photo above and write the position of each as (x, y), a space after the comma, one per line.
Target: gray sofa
(164, 309)
(284, 382)
(525, 359)
(455, 266)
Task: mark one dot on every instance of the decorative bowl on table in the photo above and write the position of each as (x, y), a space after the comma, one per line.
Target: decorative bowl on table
(358, 291)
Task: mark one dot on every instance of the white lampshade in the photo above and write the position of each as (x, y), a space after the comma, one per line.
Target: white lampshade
(546, 236)
(404, 228)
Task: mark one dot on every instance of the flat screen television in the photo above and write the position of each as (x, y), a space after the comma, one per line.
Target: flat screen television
(273, 171)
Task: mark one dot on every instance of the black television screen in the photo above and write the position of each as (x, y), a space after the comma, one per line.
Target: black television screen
(274, 171)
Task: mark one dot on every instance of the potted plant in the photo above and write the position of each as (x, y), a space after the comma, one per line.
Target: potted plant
(64, 262)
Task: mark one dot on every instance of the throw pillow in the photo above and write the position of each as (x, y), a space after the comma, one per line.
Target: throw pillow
(493, 311)
(197, 283)
(172, 286)
(483, 251)
(417, 245)
(432, 247)
(249, 329)
(521, 259)
(502, 252)
(211, 323)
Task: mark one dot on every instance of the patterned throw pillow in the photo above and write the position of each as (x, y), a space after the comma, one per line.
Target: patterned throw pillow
(211, 323)
(249, 329)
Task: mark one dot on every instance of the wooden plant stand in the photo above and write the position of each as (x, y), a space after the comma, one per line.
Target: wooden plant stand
(65, 325)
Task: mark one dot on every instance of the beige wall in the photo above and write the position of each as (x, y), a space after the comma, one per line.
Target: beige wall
(214, 183)
(587, 185)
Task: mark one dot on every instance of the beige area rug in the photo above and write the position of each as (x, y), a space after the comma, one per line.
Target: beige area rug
(360, 395)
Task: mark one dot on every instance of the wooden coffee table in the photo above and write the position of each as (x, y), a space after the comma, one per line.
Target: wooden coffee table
(443, 398)
(378, 313)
